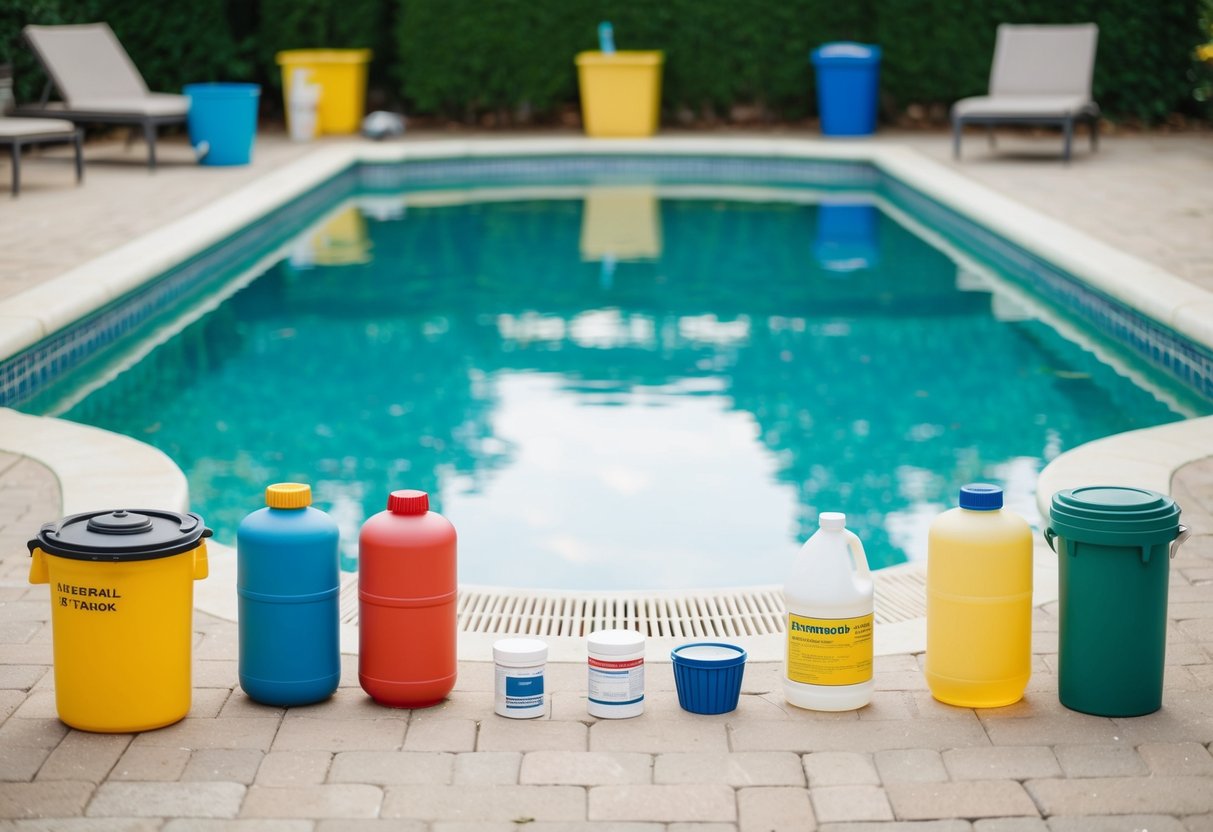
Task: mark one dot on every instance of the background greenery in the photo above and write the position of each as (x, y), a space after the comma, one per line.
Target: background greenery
(511, 61)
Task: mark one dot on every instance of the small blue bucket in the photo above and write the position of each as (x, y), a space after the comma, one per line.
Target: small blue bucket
(223, 122)
(708, 676)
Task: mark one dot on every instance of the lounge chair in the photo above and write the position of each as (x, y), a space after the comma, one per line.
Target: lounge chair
(98, 82)
(1040, 75)
(18, 132)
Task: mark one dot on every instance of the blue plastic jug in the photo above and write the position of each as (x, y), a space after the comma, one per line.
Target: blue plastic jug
(287, 582)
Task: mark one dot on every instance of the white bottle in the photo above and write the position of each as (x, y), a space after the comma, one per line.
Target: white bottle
(616, 673)
(828, 597)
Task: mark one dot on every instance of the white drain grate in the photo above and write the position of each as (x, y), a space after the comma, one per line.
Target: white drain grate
(723, 613)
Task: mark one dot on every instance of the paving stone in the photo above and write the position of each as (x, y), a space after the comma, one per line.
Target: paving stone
(387, 768)
(1176, 758)
(1117, 823)
(502, 734)
(903, 826)
(1124, 795)
(684, 827)
(293, 768)
(149, 762)
(775, 809)
(910, 765)
(855, 736)
(84, 757)
(32, 733)
(442, 735)
(306, 734)
(975, 799)
(567, 826)
(348, 703)
(181, 800)
(1100, 761)
(20, 676)
(650, 737)
(345, 800)
(38, 704)
(21, 764)
(1068, 729)
(663, 803)
(238, 704)
(207, 703)
(889, 704)
(850, 803)
(487, 768)
(487, 803)
(741, 768)
(383, 825)
(1019, 762)
(229, 765)
(584, 768)
(255, 733)
(1199, 823)
(88, 825)
(215, 674)
(49, 799)
(840, 768)
(10, 700)
(1010, 825)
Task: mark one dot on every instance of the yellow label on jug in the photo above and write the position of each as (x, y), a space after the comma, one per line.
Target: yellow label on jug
(829, 651)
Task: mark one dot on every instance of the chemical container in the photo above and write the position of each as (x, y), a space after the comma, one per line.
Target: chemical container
(616, 673)
(708, 676)
(287, 582)
(222, 122)
(979, 602)
(341, 76)
(1114, 547)
(848, 80)
(620, 93)
(829, 601)
(122, 606)
(406, 601)
(518, 669)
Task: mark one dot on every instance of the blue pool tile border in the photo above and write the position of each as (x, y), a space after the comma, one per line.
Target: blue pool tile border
(23, 375)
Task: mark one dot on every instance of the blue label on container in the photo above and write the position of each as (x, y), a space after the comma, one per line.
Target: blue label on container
(523, 686)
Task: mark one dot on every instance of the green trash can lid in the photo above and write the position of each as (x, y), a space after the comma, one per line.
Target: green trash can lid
(121, 535)
(1114, 510)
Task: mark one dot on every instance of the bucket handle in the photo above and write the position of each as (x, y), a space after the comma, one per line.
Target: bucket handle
(858, 556)
(1184, 534)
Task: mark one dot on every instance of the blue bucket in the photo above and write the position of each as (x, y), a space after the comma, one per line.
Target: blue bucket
(707, 676)
(848, 77)
(223, 122)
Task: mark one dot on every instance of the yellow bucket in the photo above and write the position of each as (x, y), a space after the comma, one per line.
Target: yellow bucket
(620, 93)
(341, 75)
(122, 600)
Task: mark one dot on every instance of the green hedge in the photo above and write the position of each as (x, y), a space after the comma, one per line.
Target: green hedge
(513, 59)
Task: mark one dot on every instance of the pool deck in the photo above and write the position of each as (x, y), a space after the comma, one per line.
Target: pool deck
(903, 763)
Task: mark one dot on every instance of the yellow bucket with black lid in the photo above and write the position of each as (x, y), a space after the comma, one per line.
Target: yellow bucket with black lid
(122, 599)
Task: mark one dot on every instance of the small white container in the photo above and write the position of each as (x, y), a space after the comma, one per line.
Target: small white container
(616, 673)
(520, 665)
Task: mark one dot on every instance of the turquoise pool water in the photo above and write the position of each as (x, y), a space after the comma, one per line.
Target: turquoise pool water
(622, 387)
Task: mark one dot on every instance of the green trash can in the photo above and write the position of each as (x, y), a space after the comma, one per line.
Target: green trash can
(1114, 547)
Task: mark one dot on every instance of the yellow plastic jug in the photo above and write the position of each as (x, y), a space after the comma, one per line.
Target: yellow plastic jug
(979, 602)
(122, 606)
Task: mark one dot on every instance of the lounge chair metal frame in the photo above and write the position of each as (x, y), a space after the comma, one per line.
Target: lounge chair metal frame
(1090, 115)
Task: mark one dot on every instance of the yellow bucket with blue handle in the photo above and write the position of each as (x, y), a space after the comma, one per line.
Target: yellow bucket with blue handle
(122, 600)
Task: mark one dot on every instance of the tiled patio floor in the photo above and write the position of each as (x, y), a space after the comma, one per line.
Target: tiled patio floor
(906, 762)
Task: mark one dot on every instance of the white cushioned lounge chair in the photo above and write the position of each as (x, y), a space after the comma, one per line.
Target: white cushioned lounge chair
(19, 132)
(1041, 75)
(98, 82)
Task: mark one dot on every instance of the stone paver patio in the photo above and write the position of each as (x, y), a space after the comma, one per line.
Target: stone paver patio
(904, 763)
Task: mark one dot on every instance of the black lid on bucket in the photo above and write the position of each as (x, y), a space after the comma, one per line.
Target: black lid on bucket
(121, 535)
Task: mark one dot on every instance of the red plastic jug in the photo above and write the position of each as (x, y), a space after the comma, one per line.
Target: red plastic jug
(406, 603)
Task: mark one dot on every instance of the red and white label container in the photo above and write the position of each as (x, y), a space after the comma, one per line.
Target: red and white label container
(616, 673)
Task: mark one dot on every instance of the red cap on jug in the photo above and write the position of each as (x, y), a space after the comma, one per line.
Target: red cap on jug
(408, 502)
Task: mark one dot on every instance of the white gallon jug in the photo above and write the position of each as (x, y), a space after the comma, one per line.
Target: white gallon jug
(828, 597)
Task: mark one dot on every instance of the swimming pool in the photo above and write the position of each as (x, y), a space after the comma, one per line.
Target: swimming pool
(635, 408)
